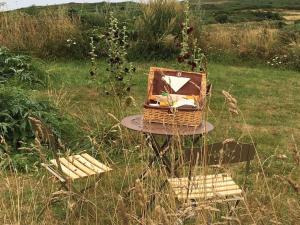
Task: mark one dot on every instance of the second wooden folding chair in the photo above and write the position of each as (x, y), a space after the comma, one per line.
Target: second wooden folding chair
(217, 187)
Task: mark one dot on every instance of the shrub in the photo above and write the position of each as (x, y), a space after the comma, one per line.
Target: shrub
(290, 58)
(19, 67)
(293, 55)
(222, 18)
(191, 54)
(16, 106)
(288, 36)
(157, 28)
(263, 15)
(93, 19)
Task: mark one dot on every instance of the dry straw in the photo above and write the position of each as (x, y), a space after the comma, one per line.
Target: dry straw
(123, 214)
(162, 215)
(141, 197)
(232, 102)
(38, 34)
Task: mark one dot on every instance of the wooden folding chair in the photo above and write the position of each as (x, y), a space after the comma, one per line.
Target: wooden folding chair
(66, 169)
(217, 187)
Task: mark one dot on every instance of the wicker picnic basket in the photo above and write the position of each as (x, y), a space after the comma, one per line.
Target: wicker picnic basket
(189, 116)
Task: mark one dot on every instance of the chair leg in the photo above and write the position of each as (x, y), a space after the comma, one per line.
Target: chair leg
(232, 210)
(55, 197)
(153, 197)
(235, 206)
(97, 179)
(79, 195)
(50, 201)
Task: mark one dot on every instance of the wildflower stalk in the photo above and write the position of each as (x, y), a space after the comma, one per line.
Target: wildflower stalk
(93, 57)
(191, 54)
(120, 70)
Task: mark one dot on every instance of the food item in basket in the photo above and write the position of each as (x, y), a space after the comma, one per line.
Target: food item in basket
(184, 102)
(154, 104)
(164, 103)
(174, 100)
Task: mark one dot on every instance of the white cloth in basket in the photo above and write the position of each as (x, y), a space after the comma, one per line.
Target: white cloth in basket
(175, 82)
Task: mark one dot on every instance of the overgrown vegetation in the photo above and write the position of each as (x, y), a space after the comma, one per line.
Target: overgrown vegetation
(263, 110)
(153, 30)
(127, 153)
(157, 29)
(20, 68)
(16, 106)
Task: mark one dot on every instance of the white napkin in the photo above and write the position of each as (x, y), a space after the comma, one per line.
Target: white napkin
(175, 82)
(182, 102)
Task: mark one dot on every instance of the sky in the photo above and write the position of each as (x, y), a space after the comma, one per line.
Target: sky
(15, 4)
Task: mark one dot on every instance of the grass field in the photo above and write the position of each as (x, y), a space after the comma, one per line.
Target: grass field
(268, 99)
(253, 49)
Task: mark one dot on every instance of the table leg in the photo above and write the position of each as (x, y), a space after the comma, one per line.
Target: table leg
(159, 151)
(160, 154)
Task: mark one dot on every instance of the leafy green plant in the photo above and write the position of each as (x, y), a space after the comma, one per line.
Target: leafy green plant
(16, 134)
(120, 70)
(19, 67)
(16, 106)
(222, 18)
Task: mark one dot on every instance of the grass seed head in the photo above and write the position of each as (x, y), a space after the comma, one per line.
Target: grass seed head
(141, 197)
(162, 215)
(123, 212)
(232, 102)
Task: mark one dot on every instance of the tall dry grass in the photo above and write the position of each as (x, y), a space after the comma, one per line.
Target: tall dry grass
(157, 28)
(22, 196)
(242, 40)
(39, 34)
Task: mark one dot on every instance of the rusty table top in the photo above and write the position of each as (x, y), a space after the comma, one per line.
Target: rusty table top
(136, 123)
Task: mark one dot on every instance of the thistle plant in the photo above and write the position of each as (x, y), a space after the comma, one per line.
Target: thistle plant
(190, 53)
(120, 70)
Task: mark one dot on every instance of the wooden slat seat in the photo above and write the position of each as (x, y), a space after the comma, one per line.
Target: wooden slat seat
(205, 187)
(218, 187)
(66, 169)
(78, 166)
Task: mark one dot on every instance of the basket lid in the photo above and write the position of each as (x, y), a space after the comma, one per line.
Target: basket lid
(175, 82)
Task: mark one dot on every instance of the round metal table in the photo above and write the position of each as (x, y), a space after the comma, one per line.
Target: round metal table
(136, 123)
